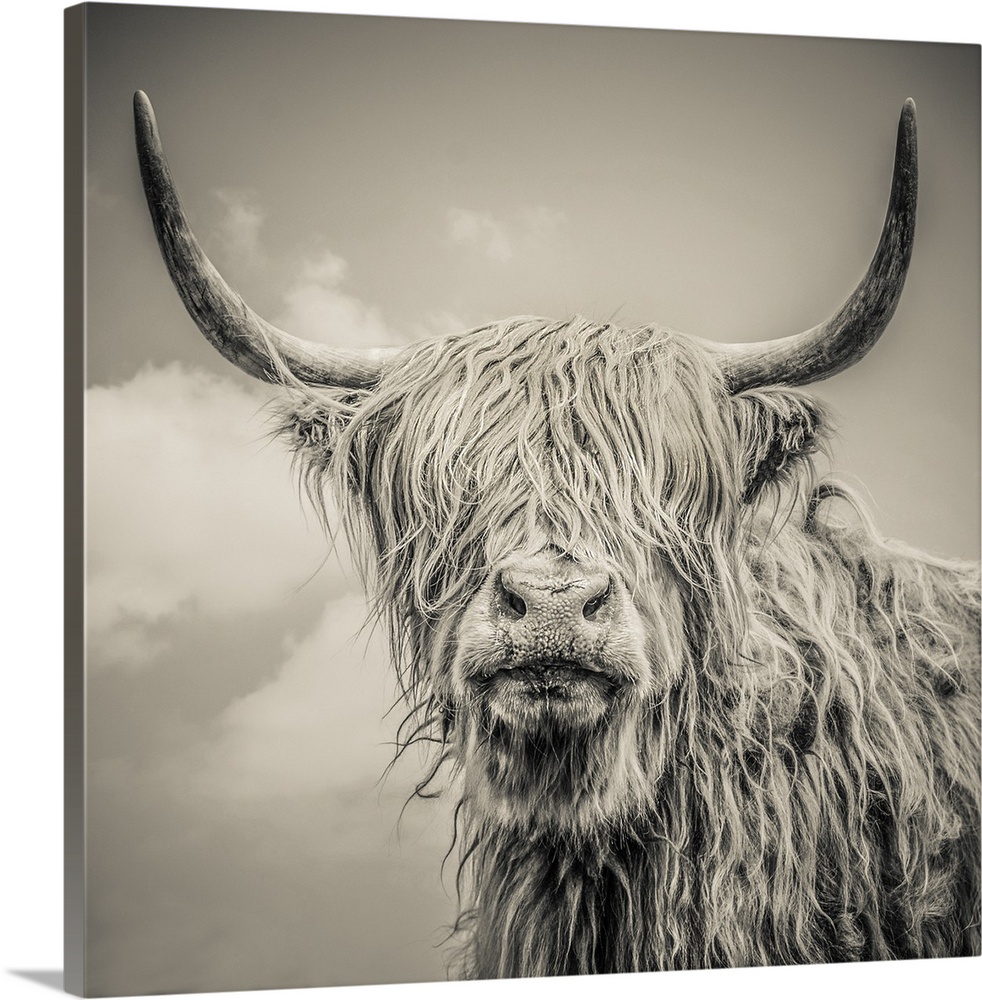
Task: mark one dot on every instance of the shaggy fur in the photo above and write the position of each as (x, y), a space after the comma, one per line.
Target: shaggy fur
(799, 782)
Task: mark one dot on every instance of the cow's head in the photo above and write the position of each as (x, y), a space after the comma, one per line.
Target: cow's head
(553, 515)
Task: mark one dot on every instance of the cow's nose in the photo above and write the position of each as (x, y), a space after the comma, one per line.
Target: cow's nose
(575, 596)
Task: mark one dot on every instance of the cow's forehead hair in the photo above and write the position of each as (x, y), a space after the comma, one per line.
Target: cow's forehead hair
(548, 403)
(527, 369)
(602, 435)
(532, 346)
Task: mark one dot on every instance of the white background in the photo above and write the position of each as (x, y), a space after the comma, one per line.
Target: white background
(31, 730)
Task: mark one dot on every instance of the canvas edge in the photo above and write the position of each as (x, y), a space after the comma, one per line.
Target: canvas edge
(74, 527)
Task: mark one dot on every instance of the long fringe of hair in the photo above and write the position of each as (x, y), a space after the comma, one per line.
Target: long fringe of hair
(813, 770)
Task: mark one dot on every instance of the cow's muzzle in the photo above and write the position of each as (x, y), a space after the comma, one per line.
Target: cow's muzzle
(547, 634)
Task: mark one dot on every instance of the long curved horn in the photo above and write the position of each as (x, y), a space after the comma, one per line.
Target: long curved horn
(842, 340)
(246, 339)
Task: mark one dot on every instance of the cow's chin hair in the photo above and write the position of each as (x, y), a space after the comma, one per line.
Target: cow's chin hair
(538, 763)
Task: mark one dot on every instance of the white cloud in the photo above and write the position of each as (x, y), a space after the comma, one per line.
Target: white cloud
(317, 308)
(238, 232)
(188, 507)
(527, 230)
(315, 305)
(542, 222)
(247, 799)
(317, 726)
(481, 230)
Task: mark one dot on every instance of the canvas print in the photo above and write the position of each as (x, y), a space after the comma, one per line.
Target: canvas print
(531, 498)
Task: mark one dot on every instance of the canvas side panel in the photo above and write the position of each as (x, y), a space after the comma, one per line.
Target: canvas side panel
(74, 945)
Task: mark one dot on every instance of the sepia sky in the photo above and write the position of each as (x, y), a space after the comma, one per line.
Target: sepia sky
(370, 181)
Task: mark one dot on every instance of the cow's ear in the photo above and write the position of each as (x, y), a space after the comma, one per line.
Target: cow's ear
(777, 428)
(312, 426)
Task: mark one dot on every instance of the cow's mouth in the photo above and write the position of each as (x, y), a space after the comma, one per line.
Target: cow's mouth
(554, 679)
(558, 689)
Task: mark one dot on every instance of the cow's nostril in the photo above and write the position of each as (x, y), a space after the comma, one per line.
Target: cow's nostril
(591, 607)
(515, 603)
(511, 600)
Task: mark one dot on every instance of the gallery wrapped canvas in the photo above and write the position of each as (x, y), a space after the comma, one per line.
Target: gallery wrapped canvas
(447, 611)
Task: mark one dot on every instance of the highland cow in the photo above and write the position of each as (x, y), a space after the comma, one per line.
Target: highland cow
(702, 713)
